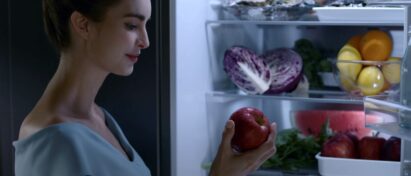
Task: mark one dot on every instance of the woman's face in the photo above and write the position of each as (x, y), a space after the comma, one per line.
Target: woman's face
(116, 42)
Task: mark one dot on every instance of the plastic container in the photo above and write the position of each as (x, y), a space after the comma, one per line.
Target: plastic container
(329, 166)
(366, 14)
(367, 78)
(328, 79)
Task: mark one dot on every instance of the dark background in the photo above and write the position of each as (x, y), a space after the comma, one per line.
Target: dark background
(140, 102)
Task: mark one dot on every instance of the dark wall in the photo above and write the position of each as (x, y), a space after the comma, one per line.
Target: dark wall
(5, 111)
(27, 62)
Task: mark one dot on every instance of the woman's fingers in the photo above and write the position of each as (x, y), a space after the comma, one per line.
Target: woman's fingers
(273, 131)
(227, 136)
(267, 155)
(267, 147)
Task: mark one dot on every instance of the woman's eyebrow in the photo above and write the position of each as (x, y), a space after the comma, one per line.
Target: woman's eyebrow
(136, 15)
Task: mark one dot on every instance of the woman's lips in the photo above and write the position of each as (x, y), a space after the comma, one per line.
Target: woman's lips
(132, 57)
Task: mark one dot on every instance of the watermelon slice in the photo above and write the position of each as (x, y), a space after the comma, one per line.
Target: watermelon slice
(309, 122)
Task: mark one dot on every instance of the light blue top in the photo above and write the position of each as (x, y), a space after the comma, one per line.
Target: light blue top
(73, 149)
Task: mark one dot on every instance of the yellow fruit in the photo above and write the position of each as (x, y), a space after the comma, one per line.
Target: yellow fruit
(349, 53)
(392, 72)
(370, 81)
(349, 47)
(347, 84)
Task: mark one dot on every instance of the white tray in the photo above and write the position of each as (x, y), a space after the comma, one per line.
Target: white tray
(329, 166)
(362, 14)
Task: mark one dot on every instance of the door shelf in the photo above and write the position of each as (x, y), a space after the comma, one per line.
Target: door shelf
(392, 128)
(313, 96)
(390, 113)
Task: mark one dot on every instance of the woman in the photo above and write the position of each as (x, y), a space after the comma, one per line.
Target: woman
(67, 133)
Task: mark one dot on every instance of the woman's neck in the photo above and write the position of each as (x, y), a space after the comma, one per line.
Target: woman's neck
(73, 88)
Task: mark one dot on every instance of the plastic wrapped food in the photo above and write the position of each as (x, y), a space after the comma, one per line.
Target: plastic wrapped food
(268, 9)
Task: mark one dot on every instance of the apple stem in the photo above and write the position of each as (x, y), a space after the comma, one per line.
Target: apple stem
(376, 134)
(260, 120)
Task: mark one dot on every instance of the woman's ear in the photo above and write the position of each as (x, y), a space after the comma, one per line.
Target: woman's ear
(80, 24)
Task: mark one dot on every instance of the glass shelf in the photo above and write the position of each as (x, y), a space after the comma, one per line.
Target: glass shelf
(307, 23)
(388, 113)
(284, 173)
(314, 96)
(374, 14)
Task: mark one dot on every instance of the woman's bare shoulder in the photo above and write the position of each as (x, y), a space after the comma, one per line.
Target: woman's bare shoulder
(36, 121)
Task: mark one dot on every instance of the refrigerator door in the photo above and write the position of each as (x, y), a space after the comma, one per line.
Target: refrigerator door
(190, 80)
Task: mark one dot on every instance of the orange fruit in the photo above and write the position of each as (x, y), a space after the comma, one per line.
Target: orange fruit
(376, 45)
(355, 41)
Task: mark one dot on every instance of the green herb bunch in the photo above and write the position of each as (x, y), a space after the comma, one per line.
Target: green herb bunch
(296, 151)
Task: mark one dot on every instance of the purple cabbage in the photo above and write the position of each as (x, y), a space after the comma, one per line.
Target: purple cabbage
(286, 70)
(247, 70)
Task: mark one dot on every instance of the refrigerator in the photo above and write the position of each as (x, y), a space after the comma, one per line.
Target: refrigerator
(203, 97)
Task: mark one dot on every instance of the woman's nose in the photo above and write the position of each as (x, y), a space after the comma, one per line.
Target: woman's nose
(143, 42)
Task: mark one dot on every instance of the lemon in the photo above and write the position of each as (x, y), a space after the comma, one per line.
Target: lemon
(350, 70)
(371, 81)
(347, 84)
(392, 72)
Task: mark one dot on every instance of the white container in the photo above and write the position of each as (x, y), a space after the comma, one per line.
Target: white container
(329, 166)
(328, 79)
(366, 14)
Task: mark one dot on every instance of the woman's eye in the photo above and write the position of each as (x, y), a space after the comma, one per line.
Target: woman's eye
(130, 26)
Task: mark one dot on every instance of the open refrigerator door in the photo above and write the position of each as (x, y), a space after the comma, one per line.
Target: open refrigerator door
(318, 42)
(395, 111)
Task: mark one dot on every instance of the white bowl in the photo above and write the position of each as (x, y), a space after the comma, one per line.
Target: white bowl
(330, 166)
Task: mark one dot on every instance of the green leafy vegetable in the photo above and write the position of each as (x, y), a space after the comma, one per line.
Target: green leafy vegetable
(313, 60)
(296, 151)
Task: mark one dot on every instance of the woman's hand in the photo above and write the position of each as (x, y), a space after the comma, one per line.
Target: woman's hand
(229, 163)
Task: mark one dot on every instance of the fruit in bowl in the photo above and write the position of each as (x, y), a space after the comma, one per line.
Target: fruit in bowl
(374, 77)
(364, 66)
(339, 145)
(351, 69)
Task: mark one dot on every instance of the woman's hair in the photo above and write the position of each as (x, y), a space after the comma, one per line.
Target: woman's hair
(56, 17)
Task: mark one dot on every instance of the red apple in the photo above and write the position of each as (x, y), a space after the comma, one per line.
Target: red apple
(392, 149)
(370, 147)
(353, 136)
(340, 145)
(252, 128)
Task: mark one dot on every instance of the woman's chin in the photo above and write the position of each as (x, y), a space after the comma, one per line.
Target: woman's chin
(125, 72)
